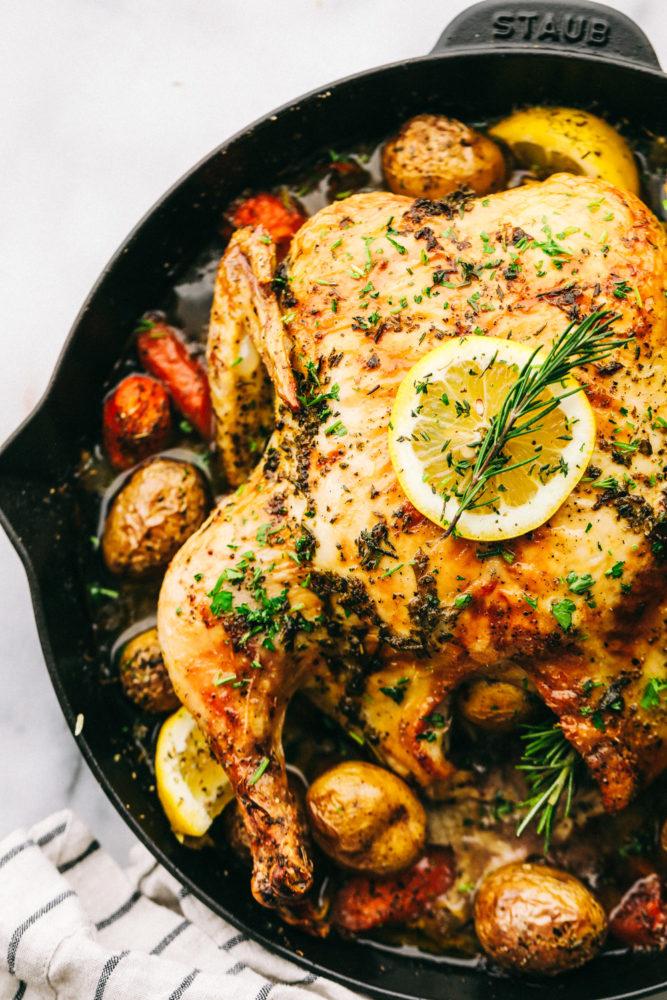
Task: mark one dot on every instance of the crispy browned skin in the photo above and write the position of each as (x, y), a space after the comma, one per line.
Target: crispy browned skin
(363, 587)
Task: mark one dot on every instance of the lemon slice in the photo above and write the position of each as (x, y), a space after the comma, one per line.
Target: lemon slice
(192, 786)
(443, 409)
(554, 139)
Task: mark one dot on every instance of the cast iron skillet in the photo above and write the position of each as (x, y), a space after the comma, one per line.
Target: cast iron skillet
(491, 57)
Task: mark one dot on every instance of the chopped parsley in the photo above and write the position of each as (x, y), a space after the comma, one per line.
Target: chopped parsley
(622, 289)
(96, 591)
(397, 691)
(221, 600)
(339, 429)
(497, 549)
(401, 249)
(562, 612)
(616, 570)
(652, 692)
(580, 583)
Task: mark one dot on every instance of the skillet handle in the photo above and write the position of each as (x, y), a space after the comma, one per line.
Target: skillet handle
(581, 26)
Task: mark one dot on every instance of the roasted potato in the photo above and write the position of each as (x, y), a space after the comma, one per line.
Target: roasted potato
(366, 818)
(160, 506)
(494, 705)
(143, 675)
(536, 919)
(431, 156)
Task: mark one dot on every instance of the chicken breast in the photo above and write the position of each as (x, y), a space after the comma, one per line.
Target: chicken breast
(319, 574)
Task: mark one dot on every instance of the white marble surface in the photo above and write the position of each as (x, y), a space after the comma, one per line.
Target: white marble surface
(104, 105)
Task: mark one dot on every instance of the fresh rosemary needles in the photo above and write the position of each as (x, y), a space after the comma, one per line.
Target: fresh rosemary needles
(525, 406)
(551, 768)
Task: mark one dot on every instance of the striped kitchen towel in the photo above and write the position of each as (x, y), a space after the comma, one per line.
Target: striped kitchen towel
(76, 926)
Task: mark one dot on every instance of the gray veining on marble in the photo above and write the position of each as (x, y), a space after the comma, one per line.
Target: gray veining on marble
(104, 106)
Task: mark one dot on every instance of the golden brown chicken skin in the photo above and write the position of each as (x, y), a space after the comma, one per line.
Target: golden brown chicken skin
(319, 574)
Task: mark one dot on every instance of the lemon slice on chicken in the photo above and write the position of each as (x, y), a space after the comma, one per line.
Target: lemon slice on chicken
(549, 140)
(443, 409)
(193, 788)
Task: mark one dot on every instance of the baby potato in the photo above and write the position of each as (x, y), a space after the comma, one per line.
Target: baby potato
(160, 506)
(536, 919)
(431, 156)
(493, 705)
(143, 675)
(365, 818)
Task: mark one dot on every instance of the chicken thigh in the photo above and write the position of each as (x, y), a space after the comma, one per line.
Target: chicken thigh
(318, 574)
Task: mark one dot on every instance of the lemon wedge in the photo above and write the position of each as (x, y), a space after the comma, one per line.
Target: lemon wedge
(549, 140)
(443, 409)
(193, 788)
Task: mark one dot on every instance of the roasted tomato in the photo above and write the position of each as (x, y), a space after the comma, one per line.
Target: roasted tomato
(640, 919)
(163, 353)
(136, 420)
(280, 218)
(365, 902)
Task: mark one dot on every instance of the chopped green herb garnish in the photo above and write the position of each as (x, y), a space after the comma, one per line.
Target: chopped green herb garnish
(580, 584)
(96, 591)
(562, 612)
(616, 570)
(263, 764)
(652, 692)
(219, 680)
(397, 691)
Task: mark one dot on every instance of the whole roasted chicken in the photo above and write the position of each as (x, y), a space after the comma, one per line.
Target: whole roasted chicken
(318, 574)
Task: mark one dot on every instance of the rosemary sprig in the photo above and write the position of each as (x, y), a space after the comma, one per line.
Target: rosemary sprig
(551, 765)
(522, 409)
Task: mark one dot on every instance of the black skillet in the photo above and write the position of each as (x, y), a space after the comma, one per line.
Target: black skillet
(493, 56)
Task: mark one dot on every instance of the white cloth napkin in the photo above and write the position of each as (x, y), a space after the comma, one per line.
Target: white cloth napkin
(76, 926)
